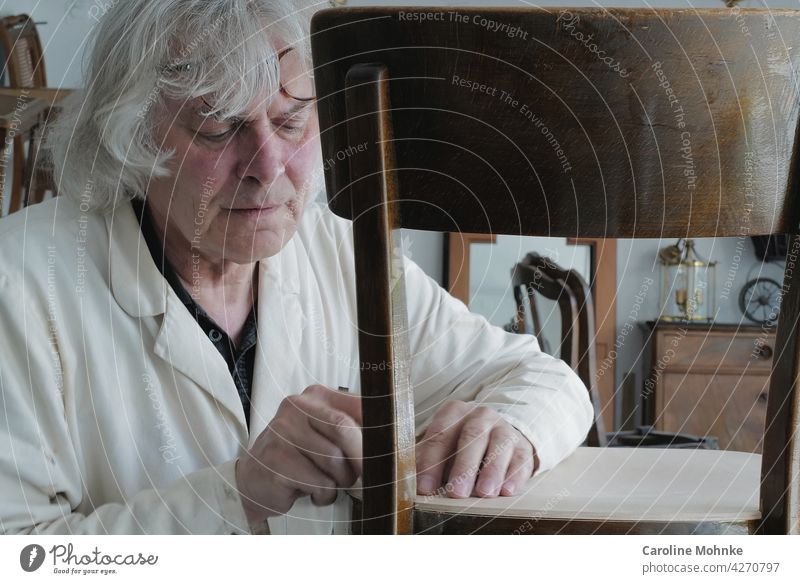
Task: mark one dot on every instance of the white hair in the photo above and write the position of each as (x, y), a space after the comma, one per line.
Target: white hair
(102, 144)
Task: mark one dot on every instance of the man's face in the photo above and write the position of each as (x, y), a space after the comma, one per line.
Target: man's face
(238, 186)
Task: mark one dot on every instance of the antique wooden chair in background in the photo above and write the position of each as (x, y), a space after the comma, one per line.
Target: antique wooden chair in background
(25, 68)
(538, 275)
(528, 283)
(679, 129)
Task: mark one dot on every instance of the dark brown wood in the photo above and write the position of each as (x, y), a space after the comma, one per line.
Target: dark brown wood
(780, 492)
(692, 128)
(603, 287)
(587, 358)
(527, 281)
(632, 163)
(572, 293)
(389, 472)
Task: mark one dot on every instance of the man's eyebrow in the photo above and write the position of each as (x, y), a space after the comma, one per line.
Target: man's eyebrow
(294, 110)
(243, 119)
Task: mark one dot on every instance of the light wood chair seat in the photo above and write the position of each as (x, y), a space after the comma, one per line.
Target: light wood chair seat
(630, 484)
(626, 486)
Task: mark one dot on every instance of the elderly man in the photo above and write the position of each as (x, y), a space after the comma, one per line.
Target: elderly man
(174, 324)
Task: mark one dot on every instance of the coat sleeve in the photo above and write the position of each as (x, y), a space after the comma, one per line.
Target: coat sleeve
(458, 355)
(40, 474)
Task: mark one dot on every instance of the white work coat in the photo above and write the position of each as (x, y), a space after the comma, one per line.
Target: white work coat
(119, 415)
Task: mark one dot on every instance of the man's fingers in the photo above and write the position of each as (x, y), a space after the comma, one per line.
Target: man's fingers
(306, 478)
(337, 400)
(311, 480)
(342, 432)
(496, 460)
(436, 447)
(329, 457)
(471, 449)
(520, 468)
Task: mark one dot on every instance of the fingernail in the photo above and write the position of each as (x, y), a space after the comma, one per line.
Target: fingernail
(426, 484)
(486, 488)
(460, 487)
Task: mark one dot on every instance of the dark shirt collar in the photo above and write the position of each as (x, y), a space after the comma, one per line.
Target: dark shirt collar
(156, 248)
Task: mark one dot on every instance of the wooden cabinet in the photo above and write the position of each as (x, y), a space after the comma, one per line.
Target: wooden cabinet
(709, 380)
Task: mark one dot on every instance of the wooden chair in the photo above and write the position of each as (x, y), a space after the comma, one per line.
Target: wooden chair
(25, 68)
(677, 129)
(537, 274)
(528, 283)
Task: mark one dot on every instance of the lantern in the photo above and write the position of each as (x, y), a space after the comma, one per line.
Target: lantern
(688, 284)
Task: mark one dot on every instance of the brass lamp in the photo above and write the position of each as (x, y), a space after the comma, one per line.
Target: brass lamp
(688, 284)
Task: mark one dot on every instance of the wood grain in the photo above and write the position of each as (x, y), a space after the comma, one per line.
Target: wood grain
(629, 151)
(387, 404)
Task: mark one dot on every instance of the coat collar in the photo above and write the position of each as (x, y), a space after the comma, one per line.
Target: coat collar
(141, 290)
(137, 284)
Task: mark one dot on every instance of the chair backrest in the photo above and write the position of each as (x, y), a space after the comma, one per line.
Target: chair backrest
(23, 51)
(537, 274)
(581, 123)
(528, 281)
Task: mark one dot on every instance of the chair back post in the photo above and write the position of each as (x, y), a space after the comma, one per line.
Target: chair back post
(587, 355)
(535, 281)
(780, 492)
(579, 330)
(389, 473)
(523, 295)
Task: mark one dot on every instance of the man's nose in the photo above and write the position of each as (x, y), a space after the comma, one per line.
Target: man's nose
(262, 158)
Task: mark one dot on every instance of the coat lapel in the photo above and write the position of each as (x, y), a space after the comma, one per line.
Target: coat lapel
(184, 345)
(141, 290)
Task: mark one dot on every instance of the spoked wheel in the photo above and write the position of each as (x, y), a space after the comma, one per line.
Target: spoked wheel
(759, 300)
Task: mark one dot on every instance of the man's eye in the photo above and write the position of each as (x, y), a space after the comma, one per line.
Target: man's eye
(220, 135)
(292, 125)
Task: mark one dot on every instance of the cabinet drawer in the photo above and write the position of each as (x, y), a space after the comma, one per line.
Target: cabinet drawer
(683, 350)
(732, 408)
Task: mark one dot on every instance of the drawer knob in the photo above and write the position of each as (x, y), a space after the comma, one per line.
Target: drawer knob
(763, 352)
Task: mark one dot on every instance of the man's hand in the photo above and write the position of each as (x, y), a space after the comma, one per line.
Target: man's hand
(475, 450)
(311, 447)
